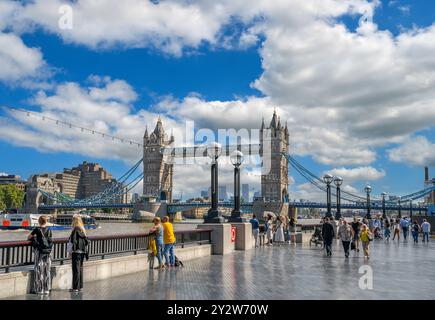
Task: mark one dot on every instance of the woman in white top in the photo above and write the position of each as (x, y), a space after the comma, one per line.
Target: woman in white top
(279, 234)
(269, 233)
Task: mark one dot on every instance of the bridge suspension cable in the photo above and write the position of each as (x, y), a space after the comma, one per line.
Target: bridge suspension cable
(71, 125)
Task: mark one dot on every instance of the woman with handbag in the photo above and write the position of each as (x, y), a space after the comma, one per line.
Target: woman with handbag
(78, 250)
(345, 233)
(366, 237)
(42, 242)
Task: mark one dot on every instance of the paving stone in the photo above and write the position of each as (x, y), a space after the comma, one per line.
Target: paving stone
(400, 271)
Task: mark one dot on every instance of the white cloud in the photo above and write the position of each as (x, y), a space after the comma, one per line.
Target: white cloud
(17, 61)
(416, 151)
(358, 174)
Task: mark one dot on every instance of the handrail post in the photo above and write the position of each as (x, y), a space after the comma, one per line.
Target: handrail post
(103, 249)
(182, 240)
(8, 255)
(135, 245)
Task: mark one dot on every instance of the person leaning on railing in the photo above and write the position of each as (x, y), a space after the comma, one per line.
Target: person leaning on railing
(42, 243)
(157, 241)
(169, 241)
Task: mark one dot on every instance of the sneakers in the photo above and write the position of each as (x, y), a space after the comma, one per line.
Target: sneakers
(47, 292)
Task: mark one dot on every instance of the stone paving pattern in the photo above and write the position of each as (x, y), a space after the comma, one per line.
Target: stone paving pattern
(401, 271)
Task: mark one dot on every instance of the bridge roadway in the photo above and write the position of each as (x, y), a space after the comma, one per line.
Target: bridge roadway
(401, 271)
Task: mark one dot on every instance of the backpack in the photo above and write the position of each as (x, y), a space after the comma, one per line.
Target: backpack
(45, 245)
(178, 263)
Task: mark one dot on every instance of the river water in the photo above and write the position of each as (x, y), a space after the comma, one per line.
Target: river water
(105, 228)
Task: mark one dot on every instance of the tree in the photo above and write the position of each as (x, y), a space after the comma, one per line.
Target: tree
(10, 197)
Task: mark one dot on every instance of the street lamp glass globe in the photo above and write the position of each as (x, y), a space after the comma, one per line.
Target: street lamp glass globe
(236, 157)
(327, 178)
(383, 194)
(214, 150)
(368, 189)
(338, 181)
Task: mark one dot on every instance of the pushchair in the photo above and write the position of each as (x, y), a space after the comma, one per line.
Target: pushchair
(378, 234)
(316, 238)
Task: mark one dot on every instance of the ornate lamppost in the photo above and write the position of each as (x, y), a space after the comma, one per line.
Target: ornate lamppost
(384, 211)
(338, 181)
(236, 159)
(213, 215)
(368, 189)
(327, 178)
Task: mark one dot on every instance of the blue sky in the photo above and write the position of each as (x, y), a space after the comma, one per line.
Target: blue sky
(216, 72)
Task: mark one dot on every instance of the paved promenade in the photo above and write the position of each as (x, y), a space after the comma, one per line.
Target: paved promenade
(400, 271)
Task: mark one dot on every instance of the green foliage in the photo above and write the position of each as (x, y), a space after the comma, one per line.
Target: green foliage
(10, 197)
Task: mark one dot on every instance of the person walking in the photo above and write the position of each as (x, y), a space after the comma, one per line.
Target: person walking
(345, 233)
(169, 241)
(396, 230)
(292, 230)
(41, 238)
(279, 233)
(425, 228)
(157, 232)
(328, 236)
(415, 229)
(255, 229)
(387, 230)
(269, 230)
(79, 250)
(404, 224)
(356, 226)
(366, 236)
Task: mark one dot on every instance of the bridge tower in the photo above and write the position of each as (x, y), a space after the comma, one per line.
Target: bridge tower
(274, 184)
(158, 173)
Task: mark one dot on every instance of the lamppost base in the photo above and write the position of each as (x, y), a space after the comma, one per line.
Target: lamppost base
(213, 216)
(236, 219)
(236, 216)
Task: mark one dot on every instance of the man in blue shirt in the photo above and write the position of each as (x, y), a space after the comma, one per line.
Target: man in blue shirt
(405, 226)
(255, 229)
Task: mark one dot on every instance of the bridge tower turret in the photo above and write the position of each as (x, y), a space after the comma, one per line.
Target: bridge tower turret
(158, 173)
(274, 184)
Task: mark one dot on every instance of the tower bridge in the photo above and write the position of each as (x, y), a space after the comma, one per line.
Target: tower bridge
(158, 170)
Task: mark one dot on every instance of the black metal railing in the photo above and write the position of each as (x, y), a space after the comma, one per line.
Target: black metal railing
(20, 253)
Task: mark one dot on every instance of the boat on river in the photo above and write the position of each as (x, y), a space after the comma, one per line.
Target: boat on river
(27, 221)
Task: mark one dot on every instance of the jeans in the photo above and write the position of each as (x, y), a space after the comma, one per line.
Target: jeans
(255, 233)
(160, 249)
(415, 236)
(346, 246)
(169, 248)
(328, 246)
(405, 232)
(77, 270)
(426, 236)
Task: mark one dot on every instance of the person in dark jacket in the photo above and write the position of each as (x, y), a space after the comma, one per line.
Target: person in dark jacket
(327, 235)
(41, 238)
(79, 249)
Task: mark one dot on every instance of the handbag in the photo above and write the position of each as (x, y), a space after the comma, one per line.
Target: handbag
(69, 248)
(352, 246)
